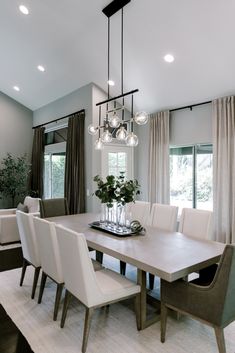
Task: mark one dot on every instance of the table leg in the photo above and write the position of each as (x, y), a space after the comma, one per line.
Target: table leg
(141, 280)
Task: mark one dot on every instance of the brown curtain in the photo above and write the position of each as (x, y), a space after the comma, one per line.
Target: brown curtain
(37, 162)
(74, 188)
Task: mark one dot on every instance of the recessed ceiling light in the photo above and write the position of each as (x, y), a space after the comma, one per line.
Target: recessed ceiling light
(24, 9)
(110, 82)
(169, 58)
(41, 68)
(16, 88)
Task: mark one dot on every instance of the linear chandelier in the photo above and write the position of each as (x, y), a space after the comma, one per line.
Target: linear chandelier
(112, 122)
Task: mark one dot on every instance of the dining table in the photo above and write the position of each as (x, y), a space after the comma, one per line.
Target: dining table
(166, 254)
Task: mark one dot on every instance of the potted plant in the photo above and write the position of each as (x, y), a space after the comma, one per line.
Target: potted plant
(115, 193)
(14, 176)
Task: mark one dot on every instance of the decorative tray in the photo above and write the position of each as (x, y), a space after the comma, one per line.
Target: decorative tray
(125, 233)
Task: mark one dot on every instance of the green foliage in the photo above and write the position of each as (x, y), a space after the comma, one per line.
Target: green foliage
(116, 189)
(13, 177)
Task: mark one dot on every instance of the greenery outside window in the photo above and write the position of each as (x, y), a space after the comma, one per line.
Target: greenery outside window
(191, 176)
(54, 168)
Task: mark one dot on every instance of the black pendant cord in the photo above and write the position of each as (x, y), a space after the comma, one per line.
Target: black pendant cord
(132, 112)
(122, 66)
(99, 119)
(107, 104)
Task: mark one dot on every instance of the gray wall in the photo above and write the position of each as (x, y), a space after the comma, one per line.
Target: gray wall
(186, 127)
(15, 130)
(86, 98)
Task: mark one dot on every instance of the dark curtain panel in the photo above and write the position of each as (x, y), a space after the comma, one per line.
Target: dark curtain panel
(37, 162)
(74, 188)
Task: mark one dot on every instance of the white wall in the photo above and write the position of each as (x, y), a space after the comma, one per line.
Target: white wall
(190, 127)
(15, 130)
(186, 127)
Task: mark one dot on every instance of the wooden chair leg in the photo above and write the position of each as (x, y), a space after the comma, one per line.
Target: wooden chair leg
(122, 268)
(24, 266)
(219, 333)
(87, 324)
(42, 286)
(35, 281)
(163, 321)
(57, 299)
(151, 281)
(137, 311)
(99, 256)
(67, 299)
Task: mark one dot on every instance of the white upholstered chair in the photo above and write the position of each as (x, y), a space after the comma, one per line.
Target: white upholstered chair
(163, 217)
(9, 232)
(93, 289)
(140, 211)
(50, 258)
(29, 247)
(196, 223)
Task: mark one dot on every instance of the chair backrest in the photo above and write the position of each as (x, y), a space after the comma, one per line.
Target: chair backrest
(196, 223)
(222, 290)
(32, 204)
(48, 248)
(140, 211)
(78, 271)
(164, 216)
(53, 208)
(28, 238)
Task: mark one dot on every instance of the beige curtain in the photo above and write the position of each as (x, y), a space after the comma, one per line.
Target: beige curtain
(159, 184)
(223, 111)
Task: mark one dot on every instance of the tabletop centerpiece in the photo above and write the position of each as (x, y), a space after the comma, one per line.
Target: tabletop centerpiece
(115, 192)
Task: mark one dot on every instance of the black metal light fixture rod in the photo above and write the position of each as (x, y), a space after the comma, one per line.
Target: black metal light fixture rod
(64, 117)
(117, 97)
(114, 7)
(190, 106)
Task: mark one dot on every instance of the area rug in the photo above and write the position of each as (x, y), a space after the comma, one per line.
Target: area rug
(112, 331)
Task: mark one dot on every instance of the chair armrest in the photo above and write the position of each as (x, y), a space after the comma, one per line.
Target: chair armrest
(8, 229)
(7, 211)
(200, 301)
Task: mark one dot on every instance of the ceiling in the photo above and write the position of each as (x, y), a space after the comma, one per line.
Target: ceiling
(70, 39)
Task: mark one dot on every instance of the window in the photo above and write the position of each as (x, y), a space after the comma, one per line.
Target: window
(191, 177)
(54, 167)
(116, 159)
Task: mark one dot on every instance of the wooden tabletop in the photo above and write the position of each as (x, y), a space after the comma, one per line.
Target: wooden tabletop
(169, 255)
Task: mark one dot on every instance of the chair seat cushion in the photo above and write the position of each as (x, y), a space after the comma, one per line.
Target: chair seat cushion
(114, 286)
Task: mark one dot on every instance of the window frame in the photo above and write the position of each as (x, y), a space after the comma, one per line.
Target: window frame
(115, 148)
(194, 167)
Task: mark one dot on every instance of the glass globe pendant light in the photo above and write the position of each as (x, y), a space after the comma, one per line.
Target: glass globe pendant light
(99, 144)
(132, 140)
(92, 130)
(114, 120)
(106, 137)
(121, 134)
(141, 118)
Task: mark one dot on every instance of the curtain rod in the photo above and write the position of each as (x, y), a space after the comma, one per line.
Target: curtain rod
(190, 106)
(64, 117)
